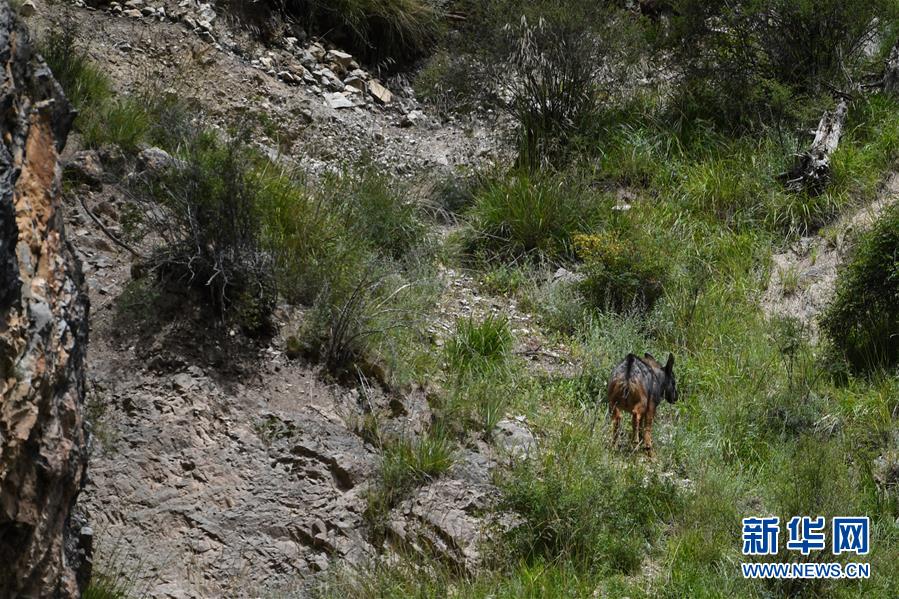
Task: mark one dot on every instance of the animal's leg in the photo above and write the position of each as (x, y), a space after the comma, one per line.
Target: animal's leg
(616, 420)
(635, 426)
(647, 432)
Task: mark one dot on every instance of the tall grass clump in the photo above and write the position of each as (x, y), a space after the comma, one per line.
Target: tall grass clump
(477, 346)
(84, 84)
(554, 90)
(581, 510)
(529, 215)
(863, 319)
(406, 463)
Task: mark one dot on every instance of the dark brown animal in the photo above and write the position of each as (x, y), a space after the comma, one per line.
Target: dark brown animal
(638, 386)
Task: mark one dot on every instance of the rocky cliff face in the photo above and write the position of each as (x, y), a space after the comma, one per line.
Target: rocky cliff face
(43, 332)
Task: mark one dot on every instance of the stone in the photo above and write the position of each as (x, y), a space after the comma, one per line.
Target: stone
(27, 8)
(317, 52)
(567, 277)
(379, 92)
(85, 167)
(341, 58)
(355, 83)
(133, 13)
(445, 518)
(412, 119)
(338, 101)
(43, 306)
(155, 160)
(514, 438)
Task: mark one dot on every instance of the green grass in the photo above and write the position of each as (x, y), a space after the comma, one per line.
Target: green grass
(529, 215)
(406, 463)
(478, 344)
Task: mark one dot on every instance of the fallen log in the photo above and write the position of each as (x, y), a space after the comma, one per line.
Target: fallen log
(811, 170)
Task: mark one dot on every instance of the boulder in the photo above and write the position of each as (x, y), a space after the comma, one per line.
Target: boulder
(43, 316)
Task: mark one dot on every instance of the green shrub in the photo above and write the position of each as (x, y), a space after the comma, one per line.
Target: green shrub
(863, 319)
(478, 345)
(527, 214)
(205, 217)
(751, 61)
(374, 211)
(621, 274)
(580, 509)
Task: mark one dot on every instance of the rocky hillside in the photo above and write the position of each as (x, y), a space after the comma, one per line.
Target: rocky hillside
(44, 319)
(359, 272)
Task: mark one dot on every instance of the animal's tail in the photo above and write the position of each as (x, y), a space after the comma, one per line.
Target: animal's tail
(628, 365)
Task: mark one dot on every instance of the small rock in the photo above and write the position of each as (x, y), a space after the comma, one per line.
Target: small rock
(341, 58)
(379, 92)
(85, 167)
(515, 438)
(155, 160)
(317, 51)
(337, 101)
(27, 8)
(563, 275)
(133, 13)
(355, 83)
(412, 119)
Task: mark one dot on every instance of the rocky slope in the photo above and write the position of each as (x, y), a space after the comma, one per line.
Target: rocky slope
(219, 467)
(43, 321)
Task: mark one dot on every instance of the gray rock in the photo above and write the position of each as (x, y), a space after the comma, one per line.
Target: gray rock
(514, 438)
(44, 444)
(338, 101)
(155, 160)
(379, 92)
(85, 167)
(341, 58)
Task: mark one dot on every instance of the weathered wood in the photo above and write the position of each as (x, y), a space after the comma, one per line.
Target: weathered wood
(811, 171)
(891, 72)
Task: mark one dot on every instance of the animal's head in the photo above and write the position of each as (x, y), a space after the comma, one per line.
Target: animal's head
(669, 387)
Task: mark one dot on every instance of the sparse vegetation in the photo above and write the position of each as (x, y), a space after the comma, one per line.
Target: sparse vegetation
(663, 200)
(863, 320)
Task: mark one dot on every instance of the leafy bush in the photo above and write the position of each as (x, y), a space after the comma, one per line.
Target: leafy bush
(478, 345)
(621, 273)
(526, 214)
(863, 319)
(748, 61)
(204, 212)
(578, 508)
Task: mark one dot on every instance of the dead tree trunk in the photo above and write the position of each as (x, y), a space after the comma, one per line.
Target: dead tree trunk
(811, 171)
(891, 72)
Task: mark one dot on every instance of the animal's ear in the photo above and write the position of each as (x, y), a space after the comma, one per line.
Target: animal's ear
(649, 356)
(670, 364)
